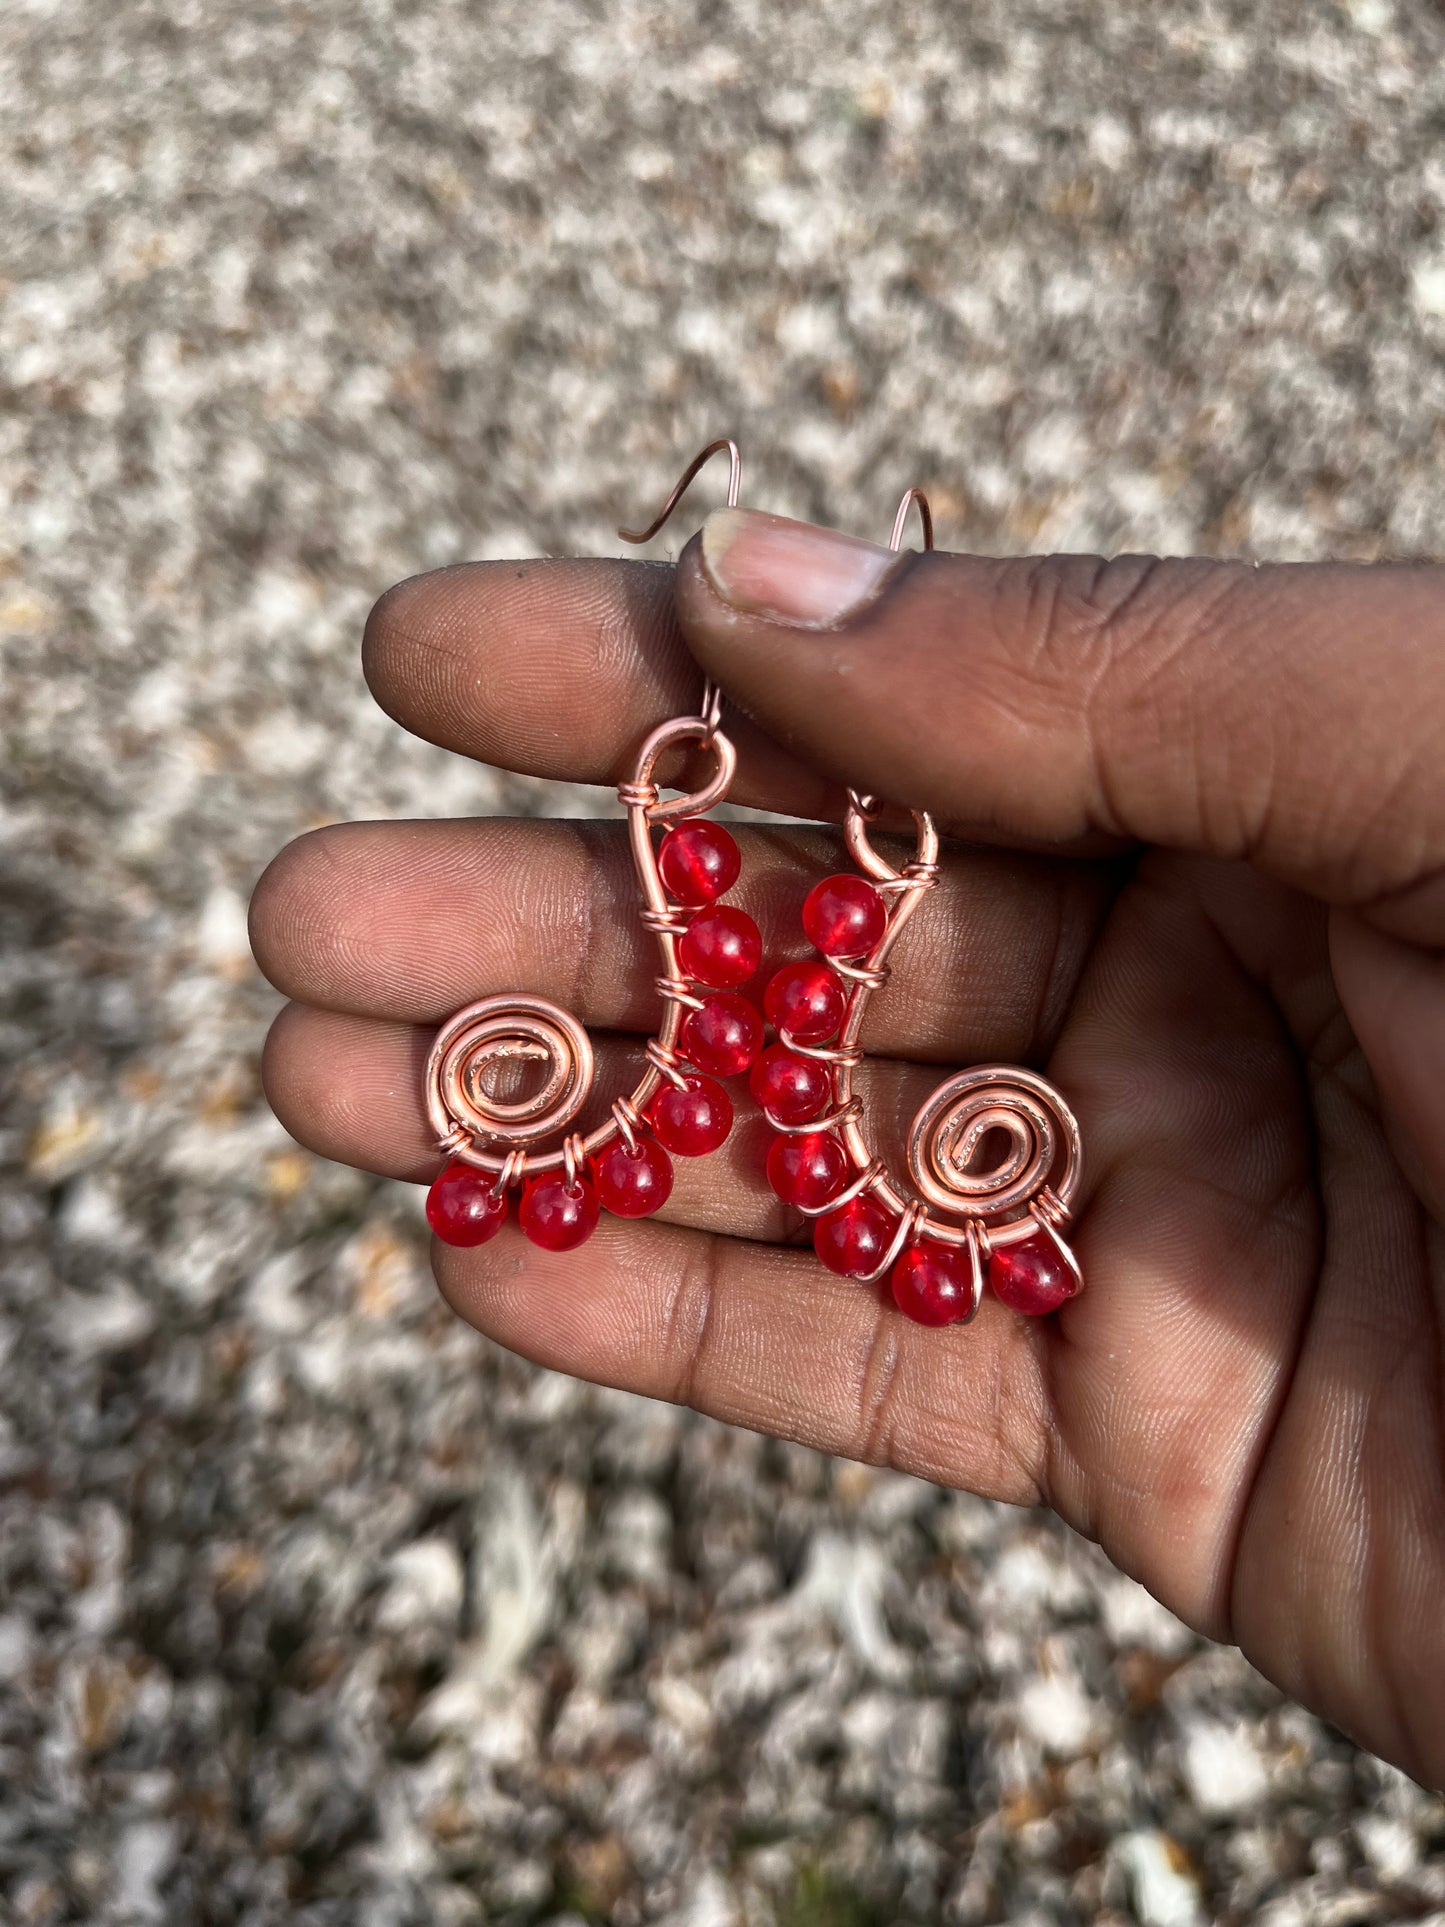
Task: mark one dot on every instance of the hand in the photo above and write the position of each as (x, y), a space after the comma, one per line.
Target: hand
(1213, 912)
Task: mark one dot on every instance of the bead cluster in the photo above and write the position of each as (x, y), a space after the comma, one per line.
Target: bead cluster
(630, 1174)
(803, 1086)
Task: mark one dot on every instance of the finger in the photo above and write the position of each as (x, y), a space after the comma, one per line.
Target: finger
(770, 1340)
(408, 921)
(1394, 996)
(559, 669)
(352, 1089)
(1293, 715)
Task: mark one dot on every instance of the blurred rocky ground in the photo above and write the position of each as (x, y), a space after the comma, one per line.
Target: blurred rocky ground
(313, 1606)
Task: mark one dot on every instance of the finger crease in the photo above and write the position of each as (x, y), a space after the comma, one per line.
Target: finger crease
(877, 1392)
(689, 1320)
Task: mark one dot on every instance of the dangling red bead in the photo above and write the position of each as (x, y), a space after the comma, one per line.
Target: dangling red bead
(723, 1035)
(632, 1184)
(854, 1239)
(806, 1000)
(844, 916)
(463, 1206)
(558, 1216)
(693, 1120)
(721, 947)
(1031, 1277)
(807, 1170)
(933, 1283)
(790, 1089)
(698, 861)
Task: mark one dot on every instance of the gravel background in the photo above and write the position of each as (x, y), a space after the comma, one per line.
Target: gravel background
(313, 1606)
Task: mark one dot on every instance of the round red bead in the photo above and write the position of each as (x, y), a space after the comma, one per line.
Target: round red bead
(632, 1184)
(692, 1120)
(933, 1283)
(844, 916)
(854, 1239)
(791, 1089)
(807, 1170)
(1031, 1277)
(721, 947)
(806, 1000)
(463, 1207)
(698, 861)
(723, 1035)
(558, 1216)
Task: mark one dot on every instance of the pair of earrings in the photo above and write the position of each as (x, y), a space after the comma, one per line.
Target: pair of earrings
(993, 1156)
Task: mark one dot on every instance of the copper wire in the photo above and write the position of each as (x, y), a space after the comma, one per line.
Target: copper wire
(710, 715)
(629, 1122)
(679, 990)
(862, 1182)
(574, 1154)
(684, 482)
(912, 497)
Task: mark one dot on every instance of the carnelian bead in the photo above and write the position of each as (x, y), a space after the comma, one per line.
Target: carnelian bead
(807, 1170)
(1031, 1277)
(558, 1216)
(721, 947)
(805, 1000)
(698, 861)
(632, 1184)
(789, 1088)
(694, 1119)
(853, 1240)
(844, 916)
(463, 1206)
(933, 1283)
(723, 1035)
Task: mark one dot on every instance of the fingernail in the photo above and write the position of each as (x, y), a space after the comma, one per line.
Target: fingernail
(765, 565)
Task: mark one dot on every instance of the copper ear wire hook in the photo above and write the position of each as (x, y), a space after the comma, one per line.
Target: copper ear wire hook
(900, 520)
(711, 694)
(735, 480)
(868, 806)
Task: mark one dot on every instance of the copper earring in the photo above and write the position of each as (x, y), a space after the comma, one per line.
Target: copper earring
(708, 1029)
(960, 1217)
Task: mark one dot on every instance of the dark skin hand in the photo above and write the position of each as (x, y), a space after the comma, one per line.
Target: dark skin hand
(1199, 881)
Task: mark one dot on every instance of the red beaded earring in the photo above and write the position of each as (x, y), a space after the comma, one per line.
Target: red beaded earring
(965, 1217)
(708, 1029)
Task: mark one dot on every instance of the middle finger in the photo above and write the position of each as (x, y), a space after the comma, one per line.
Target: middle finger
(408, 921)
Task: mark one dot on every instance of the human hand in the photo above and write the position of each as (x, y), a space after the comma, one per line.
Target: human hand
(1213, 912)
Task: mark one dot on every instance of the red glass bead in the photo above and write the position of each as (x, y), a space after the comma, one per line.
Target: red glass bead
(632, 1184)
(844, 916)
(807, 1170)
(721, 947)
(698, 861)
(1031, 1277)
(463, 1207)
(723, 1035)
(556, 1216)
(790, 1089)
(853, 1239)
(933, 1283)
(806, 1000)
(693, 1120)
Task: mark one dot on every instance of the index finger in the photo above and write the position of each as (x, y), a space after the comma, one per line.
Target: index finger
(557, 668)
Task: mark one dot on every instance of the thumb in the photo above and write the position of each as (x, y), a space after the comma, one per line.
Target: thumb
(1292, 715)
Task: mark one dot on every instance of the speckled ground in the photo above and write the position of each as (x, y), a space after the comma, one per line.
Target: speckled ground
(313, 1607)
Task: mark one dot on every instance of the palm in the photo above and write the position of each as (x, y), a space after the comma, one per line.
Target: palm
(1242, 1406)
